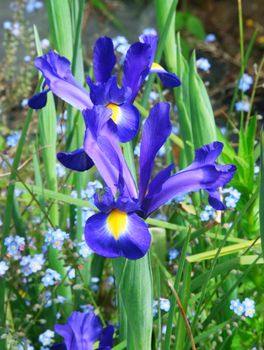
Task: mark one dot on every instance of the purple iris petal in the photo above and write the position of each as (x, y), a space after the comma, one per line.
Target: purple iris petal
(103, 148)
(207, 154)
(77, 160)
(106, 202)
(126, 235)
(152, 41)
(127, 121)
(156, 130)
(81, 331)
(60, 346)
(204, 175)
(39, 100)
(136, 67)
(106, 338)
(104, 59)
(169, 79)
(215, 200)
(108, 92)
(57, 73)
(156, 184)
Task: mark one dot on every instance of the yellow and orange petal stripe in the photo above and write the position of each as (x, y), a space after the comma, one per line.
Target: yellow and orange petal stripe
(117, 223)
(116, 111)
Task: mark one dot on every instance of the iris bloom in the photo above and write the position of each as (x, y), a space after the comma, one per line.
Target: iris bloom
(139, 62)
(82, 331)
(119, 228)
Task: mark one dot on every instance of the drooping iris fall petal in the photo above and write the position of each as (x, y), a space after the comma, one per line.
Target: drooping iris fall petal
(77, 160)
(118, 234)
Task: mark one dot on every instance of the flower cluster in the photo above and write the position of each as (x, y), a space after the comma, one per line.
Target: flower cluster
(208, 213)
(14, 245)
(30, 265)
(51, 278)
(163, 304)
(47, 338)
(245, 82)
(232, 197)
(3, 268)
(56, 238)
(246, 308)
(13, 139)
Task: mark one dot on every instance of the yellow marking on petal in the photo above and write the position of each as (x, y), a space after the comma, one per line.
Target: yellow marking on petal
(117, 222)
(116, 111)
(156, 66)
(46, 86)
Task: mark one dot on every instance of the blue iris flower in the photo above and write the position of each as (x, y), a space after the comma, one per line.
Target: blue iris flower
(119, 229)
(82, 331)
(139, 62)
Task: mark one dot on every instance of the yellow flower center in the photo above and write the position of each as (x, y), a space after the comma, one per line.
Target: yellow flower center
(117, 222)
(116, 112)
(156, 66)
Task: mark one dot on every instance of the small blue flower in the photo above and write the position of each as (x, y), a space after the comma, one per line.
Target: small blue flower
(33, 5)
(47, 338)
(70, 272)
(203, 64)
(154, 96)
(210, 38)
(232, 196)
(60, 170)
(208, 213)
(14, 245)
(60, 299)
(56, 238)
(13, 139)
(249, 307)
(32, 264)
(51, 278)
(173, 254)
(237, 307)
(3, 268)
(44, 43)
(7, 25)
(25, 346)
(165, 304)
(245, 82)
(84, 250)
(242, 106)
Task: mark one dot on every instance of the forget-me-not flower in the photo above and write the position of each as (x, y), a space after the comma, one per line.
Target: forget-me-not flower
(203, 64)
(242, 106)
(51, 278)
(245, 82)
(3, 268)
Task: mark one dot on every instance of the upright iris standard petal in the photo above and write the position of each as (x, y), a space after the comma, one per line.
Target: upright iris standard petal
(57, 73)
(207, 176)
(126, 117)
(118, 234)
(104, 59)
(136, 67)
(82, 331)
(156, 130)
(102, 146)
(77, 160)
